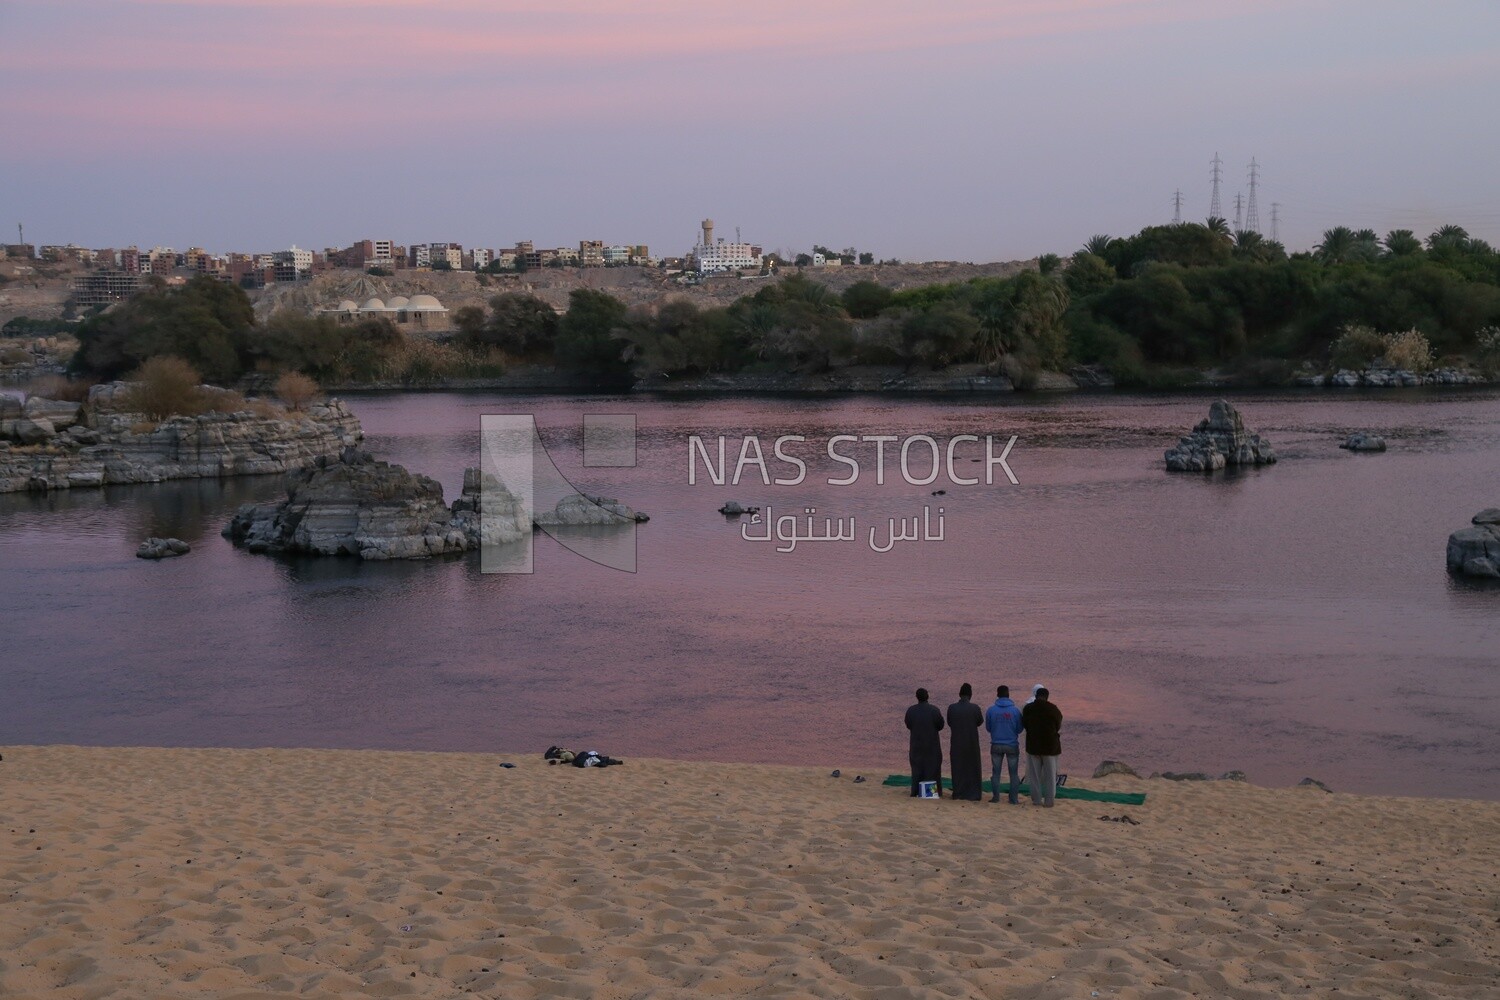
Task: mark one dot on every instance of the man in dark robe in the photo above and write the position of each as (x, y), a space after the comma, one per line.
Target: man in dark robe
(964, 720)
(925, 722)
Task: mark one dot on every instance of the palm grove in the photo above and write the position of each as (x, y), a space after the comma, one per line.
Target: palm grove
(1153, 309)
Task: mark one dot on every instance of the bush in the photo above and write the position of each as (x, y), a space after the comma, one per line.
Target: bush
(167, 386)
(296, 390)
(70, 390)
(1408, 351)
(1488, 340)
(1357, 348)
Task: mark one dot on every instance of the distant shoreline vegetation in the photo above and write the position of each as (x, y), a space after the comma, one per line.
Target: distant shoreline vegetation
(1151, 309)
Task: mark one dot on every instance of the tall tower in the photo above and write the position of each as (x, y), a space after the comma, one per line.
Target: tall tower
(1239, 219)
(1275, 222)
(708, 232)
(1252, 217)
(1177, 207)
(1215, 210)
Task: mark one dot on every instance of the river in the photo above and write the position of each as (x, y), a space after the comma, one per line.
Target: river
(1289, 621)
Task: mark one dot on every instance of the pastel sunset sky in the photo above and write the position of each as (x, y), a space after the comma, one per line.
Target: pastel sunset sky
(959, 129)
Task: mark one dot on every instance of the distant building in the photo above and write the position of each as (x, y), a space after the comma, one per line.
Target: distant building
(292, 264)
(615, 256)
(591, 253)
(711, 255)
(24, 251)
(481, 258)
(420, 255)
(101, 288)
(130, 260)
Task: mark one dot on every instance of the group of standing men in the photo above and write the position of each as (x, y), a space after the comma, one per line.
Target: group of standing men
(1039, 720)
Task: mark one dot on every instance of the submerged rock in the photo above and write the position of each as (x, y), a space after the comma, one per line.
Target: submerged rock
(1475, 551)
(1219, 441)
(1364, 442)
(582, 509)
(734, 508)
(162, 548)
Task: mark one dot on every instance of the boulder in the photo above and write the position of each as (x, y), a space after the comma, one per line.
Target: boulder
(1364, 442)
(1313, 783)
(162, 548)
(1475, 551)
(1219, 441)
(734, 508)
(487, 513)
(59, 413)
(1186, 776)
(582, 509)
(1233, 776)
(1108, 767)
(33, 431)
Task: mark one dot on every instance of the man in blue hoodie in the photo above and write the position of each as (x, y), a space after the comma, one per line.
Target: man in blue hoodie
(1003, 722)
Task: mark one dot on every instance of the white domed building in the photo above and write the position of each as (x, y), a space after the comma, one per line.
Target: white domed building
(419, 312)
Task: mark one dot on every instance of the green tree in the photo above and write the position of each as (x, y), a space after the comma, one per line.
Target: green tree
(520, 324)
(865, 299)
(592, 337)
(1087, 274)
(201, 322)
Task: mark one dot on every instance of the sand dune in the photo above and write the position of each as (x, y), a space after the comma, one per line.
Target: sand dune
(246, 874)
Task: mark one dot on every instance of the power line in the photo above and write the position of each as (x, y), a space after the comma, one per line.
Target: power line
(1252, 216)
(1275, 222)
(1177, 207)
(1215, 210)
(1239, 205)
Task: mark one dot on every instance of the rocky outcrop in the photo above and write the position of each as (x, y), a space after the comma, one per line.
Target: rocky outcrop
(1219, 441)
(52, 445)
(358, 506)
(1475, 551)
(1108, 767)
(1364, 442)
(734, 509)
(162, 548)
(352, 505)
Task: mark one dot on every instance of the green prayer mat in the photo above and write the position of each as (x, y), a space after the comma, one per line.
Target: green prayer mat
(1065, 792)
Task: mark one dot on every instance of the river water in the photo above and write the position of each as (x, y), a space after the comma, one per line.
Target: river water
(1290, 621)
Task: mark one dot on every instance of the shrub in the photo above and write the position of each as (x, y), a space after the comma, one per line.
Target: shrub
(167, 386)
(296, 390)
(1022, 373)
(1408, 351)
(1488, 340)
(1357, 348)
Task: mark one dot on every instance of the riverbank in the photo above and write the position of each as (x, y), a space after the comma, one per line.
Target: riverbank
(898, 380)
(219, 873)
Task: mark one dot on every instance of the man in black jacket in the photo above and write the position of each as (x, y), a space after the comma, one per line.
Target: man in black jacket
(1043, 724)
(925, 722)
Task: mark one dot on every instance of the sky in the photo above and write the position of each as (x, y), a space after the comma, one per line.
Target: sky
(963, 130)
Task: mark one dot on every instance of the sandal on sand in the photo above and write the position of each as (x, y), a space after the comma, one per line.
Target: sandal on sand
(835, 773)
(859, 779)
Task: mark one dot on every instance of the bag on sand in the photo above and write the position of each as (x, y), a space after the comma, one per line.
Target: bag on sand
(557, 755)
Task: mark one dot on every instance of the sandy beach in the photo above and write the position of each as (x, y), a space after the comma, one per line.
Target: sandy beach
(240, 874)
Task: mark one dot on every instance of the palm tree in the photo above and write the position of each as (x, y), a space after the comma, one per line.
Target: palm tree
(1366, 245)
(1217, 226)
(1449, 238)
(1401, 243)
(1337, 246)
(1099, 245)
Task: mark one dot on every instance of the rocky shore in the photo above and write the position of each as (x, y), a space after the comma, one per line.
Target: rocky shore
(50, 444)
